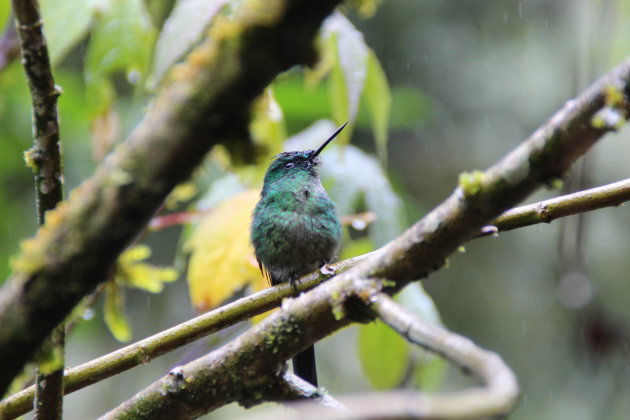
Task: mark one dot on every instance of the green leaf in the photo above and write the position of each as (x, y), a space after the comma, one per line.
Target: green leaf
(430, 369)
(339, 100)
(356, 247)
(430, 373)
(122, 40)
(267, 123)
(301, 106)
(181, 32)
(5, 8)
(379, 102)
(384, 355)
(114, 312)
(66, 23)
(416, 300)
(346, 45)
(351, 63)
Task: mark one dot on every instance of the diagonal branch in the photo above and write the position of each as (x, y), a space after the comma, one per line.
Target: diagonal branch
(207, 101)
(218, 378)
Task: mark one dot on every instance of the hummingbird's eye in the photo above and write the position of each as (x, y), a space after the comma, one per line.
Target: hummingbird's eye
(289, 165)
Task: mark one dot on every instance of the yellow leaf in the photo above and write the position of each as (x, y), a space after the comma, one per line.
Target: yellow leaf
(222, 260)
(114, 311)
(181, 194)
(132, 272)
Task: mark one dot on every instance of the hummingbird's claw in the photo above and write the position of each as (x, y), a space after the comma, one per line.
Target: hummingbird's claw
(328, 270)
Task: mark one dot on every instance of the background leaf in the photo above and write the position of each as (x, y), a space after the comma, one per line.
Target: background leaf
(429, 368)
(131, 271)
(384, 355)
(379, 102)
(114, 312)
(121, 40)
(66, 23)
(181, 31)
(351, 63)
(222, 260)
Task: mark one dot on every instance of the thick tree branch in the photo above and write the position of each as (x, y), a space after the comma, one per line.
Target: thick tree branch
(218, 378)
(547, 211)
(45, 159)
(207, 101)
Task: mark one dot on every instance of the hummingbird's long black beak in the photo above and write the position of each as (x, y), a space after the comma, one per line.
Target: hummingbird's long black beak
(331, 138)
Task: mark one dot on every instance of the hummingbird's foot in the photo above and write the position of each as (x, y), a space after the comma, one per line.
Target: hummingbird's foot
(328, 270)
(293, 282)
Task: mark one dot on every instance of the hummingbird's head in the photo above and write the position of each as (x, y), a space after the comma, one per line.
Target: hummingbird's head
(287, 163)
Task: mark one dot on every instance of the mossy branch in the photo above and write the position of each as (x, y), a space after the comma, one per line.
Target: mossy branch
(206, 101)
(218, 378)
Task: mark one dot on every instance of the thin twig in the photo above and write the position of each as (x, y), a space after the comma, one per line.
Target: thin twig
(547, 211)
(45, 160)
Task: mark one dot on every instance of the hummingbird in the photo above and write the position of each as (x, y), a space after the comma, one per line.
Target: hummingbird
(295, 228)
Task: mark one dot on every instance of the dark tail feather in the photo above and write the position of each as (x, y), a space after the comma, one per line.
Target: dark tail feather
(304, 366)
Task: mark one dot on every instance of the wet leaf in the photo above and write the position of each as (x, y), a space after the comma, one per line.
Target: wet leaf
(350, 68)
(121, 40)
(131, 271)
(181, 31)
(430, 369)
(66, 23)
(384, 355)
(379, 101)
(267, 125)
(114, 312)
(416, 300)
(430, 372)
(222, 260)
(5, 8)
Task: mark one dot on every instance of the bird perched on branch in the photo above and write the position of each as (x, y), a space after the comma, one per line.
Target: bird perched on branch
(295, 228)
